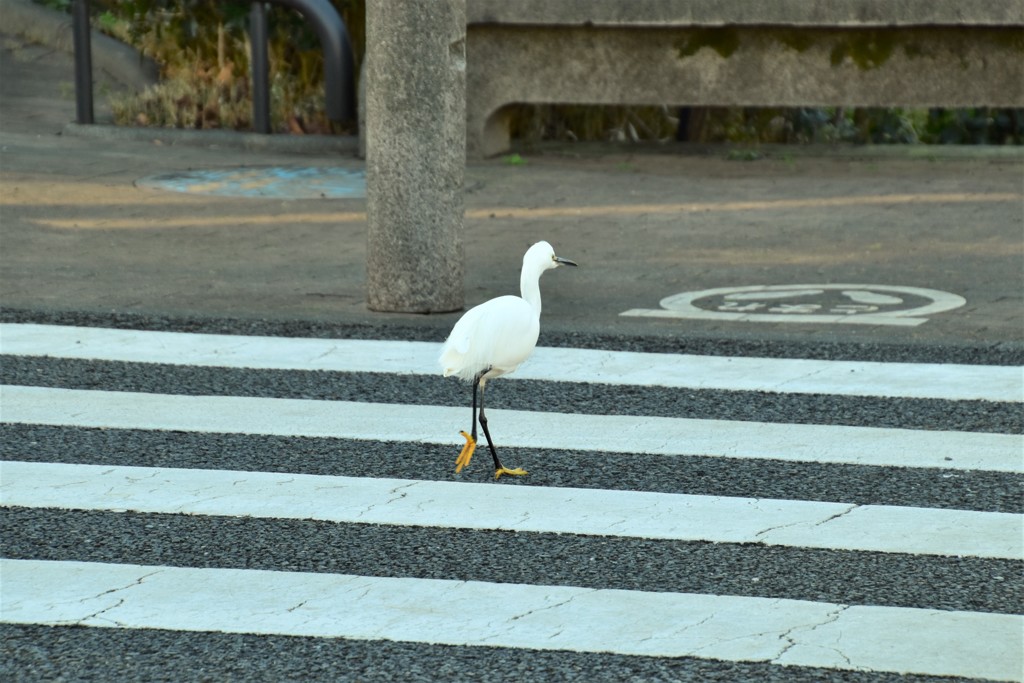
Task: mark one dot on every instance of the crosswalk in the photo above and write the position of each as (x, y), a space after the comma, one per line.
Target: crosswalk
(642, 544)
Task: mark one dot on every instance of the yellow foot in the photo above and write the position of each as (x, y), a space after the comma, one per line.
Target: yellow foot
(466, 454)
(517, 472)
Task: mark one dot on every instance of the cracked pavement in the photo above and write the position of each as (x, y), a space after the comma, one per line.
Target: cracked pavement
(566, 618)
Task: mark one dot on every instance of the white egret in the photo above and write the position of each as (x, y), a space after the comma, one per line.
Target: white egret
(492, 339)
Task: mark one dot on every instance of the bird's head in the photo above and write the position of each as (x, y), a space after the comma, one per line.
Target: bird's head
(542, 255)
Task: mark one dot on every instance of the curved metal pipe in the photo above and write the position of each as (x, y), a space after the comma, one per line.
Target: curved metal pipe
(339, 64)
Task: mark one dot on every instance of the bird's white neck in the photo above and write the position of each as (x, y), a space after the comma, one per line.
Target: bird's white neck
(529, 286)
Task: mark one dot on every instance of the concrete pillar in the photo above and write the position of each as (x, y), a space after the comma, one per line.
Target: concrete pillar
(415, 154)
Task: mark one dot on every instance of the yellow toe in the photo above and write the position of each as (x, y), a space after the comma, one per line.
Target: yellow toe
(517, 472)
(467, 452)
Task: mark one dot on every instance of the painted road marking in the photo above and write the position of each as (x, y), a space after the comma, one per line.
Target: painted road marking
(300, 182)
(187, 220)
(740, 206)
(730, 628)
(439, 425)
(857, 304)
(841, 378)
(35, 193)
(454, 505)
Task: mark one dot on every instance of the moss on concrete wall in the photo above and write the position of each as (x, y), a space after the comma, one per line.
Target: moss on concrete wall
(866, 48)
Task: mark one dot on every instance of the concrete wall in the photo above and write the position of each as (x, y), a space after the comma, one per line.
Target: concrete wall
(914, 53)
(832, 13)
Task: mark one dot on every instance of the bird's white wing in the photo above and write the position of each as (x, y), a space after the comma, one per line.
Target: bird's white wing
(457, 346)
(499, 334)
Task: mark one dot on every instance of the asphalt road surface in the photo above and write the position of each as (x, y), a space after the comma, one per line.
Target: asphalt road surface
(723, 485)
(194, 507)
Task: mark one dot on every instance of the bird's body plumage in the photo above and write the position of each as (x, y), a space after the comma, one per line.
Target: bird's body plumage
(494, 338)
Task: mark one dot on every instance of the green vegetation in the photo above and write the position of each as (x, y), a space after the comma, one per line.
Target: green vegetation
(868, 50)
(753, 125)
(203, 48)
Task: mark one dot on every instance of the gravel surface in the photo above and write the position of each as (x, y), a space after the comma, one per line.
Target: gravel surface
(35, 653)
(533, 395)
(861, 484)
(66, 653)
(843, 577)
(428, 328)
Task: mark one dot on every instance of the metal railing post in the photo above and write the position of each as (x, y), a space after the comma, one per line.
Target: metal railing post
(83, 60)
(260, 67)
(339, 63)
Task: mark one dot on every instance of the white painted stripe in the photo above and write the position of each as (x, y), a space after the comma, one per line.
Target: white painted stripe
(844, 378)
(589, 512)
(803, 319)
(729, 628)
(440, 425)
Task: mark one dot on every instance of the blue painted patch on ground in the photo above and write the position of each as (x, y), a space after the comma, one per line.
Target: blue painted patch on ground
(270, 182)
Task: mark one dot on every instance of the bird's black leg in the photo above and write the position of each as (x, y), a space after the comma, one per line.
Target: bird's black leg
(483, 423)
(498, 468)
(476, 385)
(467, 450)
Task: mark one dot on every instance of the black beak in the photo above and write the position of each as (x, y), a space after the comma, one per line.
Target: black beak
(564, 261)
